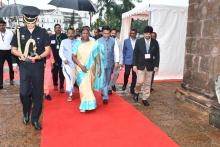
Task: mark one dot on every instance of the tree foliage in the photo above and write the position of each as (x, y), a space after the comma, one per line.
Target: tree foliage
(110, 12)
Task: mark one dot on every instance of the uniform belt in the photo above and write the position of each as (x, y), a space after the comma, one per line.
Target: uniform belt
(41, 60)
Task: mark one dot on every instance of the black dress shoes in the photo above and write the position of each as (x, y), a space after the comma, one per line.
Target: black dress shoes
(105, 102)
(26, 119)
(145, 102)
(135, 97)
(11, 82)
(62, 90)
(48, 97)
(123, 88)
(110, 92)
(36, 125)
(114, 88)
(151, 90)
(132, 91)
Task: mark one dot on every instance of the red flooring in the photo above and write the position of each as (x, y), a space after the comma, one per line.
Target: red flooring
(117, 124)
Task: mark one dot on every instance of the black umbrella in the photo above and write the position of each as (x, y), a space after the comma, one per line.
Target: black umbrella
(11, 10)
(80, 5)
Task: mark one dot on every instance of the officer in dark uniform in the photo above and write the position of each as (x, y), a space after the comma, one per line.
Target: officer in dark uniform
(55, 46)
(31, 44)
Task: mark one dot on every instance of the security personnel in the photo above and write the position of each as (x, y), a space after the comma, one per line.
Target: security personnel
(31, 44)
(55, 46)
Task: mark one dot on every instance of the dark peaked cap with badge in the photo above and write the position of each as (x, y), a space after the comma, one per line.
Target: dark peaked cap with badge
(30, 14)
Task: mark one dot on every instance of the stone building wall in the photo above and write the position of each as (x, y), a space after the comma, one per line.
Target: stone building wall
(202, 59)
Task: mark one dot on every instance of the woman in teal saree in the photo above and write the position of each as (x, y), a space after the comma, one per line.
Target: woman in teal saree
(86, 54)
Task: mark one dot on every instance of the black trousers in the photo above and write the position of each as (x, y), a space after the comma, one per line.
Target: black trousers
(126, 76)
(6, 55)
(31, 88)
(57, 69)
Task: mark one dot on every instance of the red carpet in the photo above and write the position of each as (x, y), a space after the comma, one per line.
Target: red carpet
(7, 77)
(6, 73)
(117, 124)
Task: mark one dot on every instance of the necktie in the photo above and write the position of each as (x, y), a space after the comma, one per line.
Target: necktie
(147, 45)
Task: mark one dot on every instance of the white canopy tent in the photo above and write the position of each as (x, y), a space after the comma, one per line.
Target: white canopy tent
(169, 20)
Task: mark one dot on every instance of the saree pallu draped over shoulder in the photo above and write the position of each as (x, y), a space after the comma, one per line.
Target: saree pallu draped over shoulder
(87, 53)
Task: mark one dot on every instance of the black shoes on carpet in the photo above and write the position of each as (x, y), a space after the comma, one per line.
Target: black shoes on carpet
(114, 88)
(48, 97)
(110, 92)
(62, 90)
(105, 101)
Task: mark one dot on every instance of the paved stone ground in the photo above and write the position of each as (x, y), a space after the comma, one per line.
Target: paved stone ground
(183, 122)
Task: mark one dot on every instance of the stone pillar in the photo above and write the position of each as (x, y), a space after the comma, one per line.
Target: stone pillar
(202, 57)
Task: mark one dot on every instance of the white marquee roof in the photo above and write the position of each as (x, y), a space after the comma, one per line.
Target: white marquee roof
(143, 8)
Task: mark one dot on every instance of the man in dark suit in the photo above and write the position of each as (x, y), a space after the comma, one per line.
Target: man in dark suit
(128, 49)
(146, 58)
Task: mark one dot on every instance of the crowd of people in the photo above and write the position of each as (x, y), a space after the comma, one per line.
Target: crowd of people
(82, 60)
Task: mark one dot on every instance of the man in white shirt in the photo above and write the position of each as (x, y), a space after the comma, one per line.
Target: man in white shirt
(5, 52)
(118, 58)
(68, 66)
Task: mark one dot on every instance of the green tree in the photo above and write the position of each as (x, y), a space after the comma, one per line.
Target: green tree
(139, 25)
(105, 6)
(110, 12)
(127, 5)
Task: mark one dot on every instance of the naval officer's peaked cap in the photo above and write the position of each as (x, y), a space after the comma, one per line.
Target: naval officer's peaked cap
(30, 14)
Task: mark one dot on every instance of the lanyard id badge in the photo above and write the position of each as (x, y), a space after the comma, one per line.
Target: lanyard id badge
(58, 46)
(147, 56)
(58, 41)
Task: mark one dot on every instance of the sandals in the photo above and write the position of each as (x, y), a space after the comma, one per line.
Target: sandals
(69, 99)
